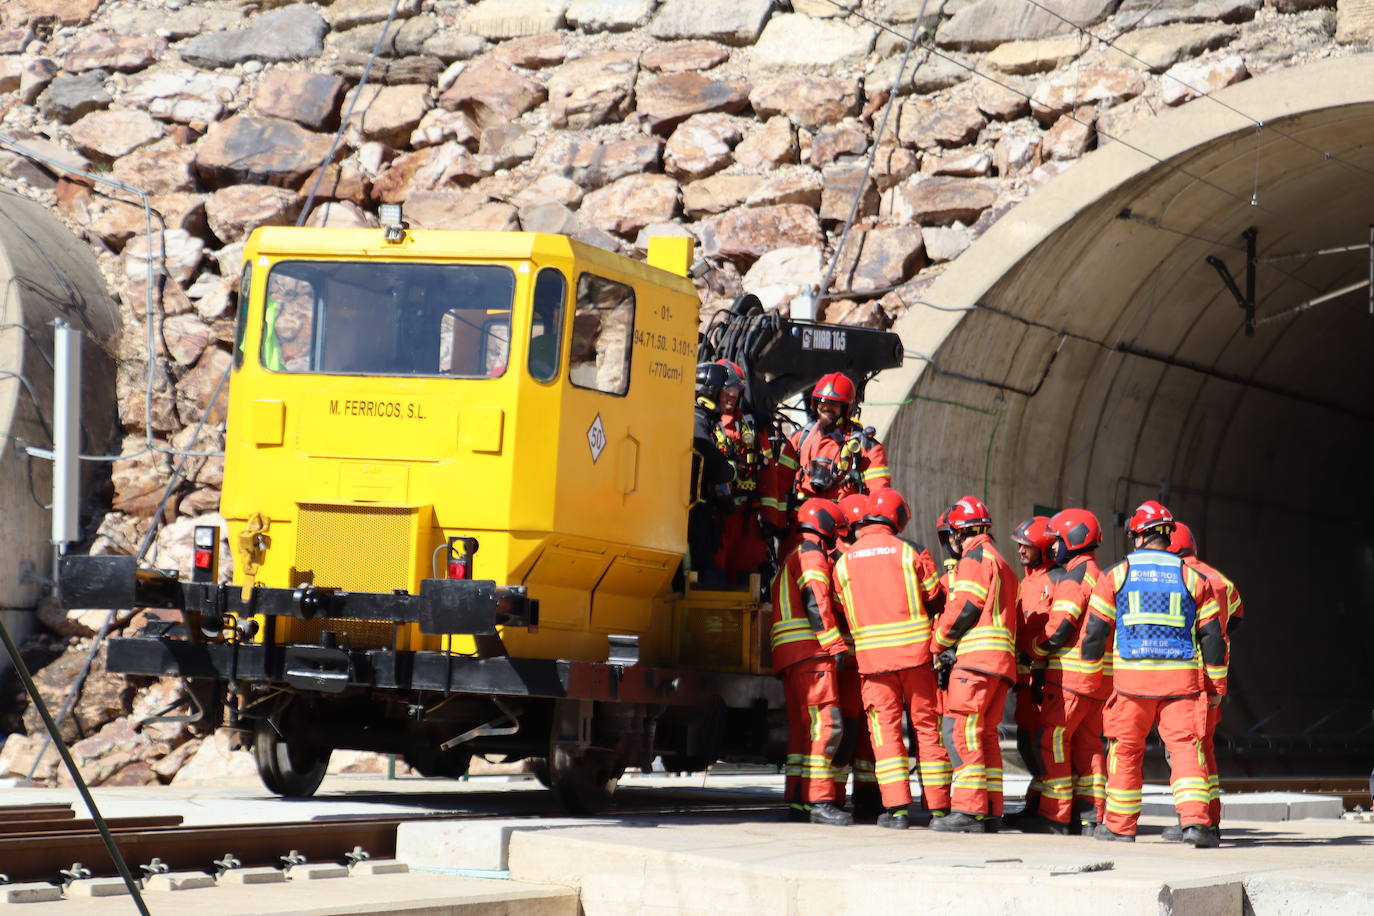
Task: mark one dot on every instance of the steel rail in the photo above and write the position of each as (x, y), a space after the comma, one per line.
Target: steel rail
(39, 856)
(72, 825)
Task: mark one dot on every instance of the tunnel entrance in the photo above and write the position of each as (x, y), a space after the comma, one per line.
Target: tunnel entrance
(1085, 353)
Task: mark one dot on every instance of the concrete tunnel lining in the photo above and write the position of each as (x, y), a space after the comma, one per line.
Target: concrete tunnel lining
(1249, 439)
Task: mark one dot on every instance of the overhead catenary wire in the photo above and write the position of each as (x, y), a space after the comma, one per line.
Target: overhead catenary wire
(893, 95)
(974, 71)
(1202, 93)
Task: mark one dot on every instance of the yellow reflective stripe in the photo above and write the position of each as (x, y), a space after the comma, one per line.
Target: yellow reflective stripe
(930, 584)
(769, 503)
(897, 626)
(876, 472)
(1057, 745)
(814, 575)
(968, 585)
(864, 644)
(971, 732)
(942, 640)
(826, 636)
(1068, 606)
(913, 588)
(788, 640)
(875, 733)
(1157, 664)
(788, 461)
(1103, 606)
(1074, 665)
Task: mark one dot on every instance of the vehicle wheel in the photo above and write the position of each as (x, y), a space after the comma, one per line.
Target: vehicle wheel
(583, 784)
(539, 766)
(288, 768)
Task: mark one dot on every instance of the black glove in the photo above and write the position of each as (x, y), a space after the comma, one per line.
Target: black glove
(1037, 685)
(944, 667)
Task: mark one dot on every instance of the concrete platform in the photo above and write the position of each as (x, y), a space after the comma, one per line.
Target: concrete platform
(717, 868)
(727, 862)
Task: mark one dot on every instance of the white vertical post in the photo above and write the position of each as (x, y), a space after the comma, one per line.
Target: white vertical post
(66, 434)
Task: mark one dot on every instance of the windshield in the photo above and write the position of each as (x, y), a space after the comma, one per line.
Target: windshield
(354, 318)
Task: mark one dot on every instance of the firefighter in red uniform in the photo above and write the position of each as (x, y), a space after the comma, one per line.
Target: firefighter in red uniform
(757, 505)
(1034, 548)
(883, 587)
(1232, 611)
(975, 639)
(1169, 663)
(1072, 691)
(806, 643)
(856, 750)
(833, 455)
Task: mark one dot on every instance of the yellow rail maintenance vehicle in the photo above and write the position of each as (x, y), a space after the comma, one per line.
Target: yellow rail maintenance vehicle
(456, 489)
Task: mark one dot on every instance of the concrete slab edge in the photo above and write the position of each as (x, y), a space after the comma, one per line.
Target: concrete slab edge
(501, 874)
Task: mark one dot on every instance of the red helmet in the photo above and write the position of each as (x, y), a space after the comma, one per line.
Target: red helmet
(1181, 541)
(1077, 528)
(820, 516)
(969, 512)
(734, 375)
(1150, 515)
(1034, 532)
(942, 523)
(834, 387)
(853, 508)
(888, 507)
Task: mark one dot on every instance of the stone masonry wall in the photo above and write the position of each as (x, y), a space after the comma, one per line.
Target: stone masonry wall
(745, 123)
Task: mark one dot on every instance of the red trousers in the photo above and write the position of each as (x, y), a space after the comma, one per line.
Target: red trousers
(1070, 752)
(856, 750)
(1209, 750)
(814, 729)
(1027, 740)
(1090, 764)
(886, 696)
(743, 548)
(973, 708)
(1182, 722)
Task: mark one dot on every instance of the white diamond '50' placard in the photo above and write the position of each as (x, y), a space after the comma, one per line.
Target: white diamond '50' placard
(596, 438)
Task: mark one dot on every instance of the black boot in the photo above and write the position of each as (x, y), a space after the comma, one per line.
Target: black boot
(1089, 828)
(827, 813)
(1103, 832)
(798, 813)
(1172, 834)
(894, 819)
(958, 822)
(1038, 823)
(1200, 836)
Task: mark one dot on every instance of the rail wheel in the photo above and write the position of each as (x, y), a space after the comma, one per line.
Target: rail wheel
(583, 783)
(291, 769)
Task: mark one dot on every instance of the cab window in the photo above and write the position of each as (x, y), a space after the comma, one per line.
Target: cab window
(602, 329)
(349, 318)
(241, 312)
(546, 324)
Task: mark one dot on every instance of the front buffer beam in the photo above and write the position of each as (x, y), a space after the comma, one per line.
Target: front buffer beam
(443, 607)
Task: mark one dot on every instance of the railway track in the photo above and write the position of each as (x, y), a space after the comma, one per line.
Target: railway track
(37, 843)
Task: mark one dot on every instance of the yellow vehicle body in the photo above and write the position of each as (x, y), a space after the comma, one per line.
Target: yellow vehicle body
(358, 480)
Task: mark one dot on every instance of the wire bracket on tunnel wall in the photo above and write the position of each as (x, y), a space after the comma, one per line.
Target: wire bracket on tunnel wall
(1247, 300)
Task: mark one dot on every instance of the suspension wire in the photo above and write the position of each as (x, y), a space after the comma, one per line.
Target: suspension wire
(150, 444)
(1259, 124)
(973, 70)
(893, 95)
(343, 122)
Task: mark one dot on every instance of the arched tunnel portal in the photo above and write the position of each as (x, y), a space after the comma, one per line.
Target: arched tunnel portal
(1085, 353)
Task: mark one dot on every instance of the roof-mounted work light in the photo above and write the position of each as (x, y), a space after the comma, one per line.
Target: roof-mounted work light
(393, 226)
